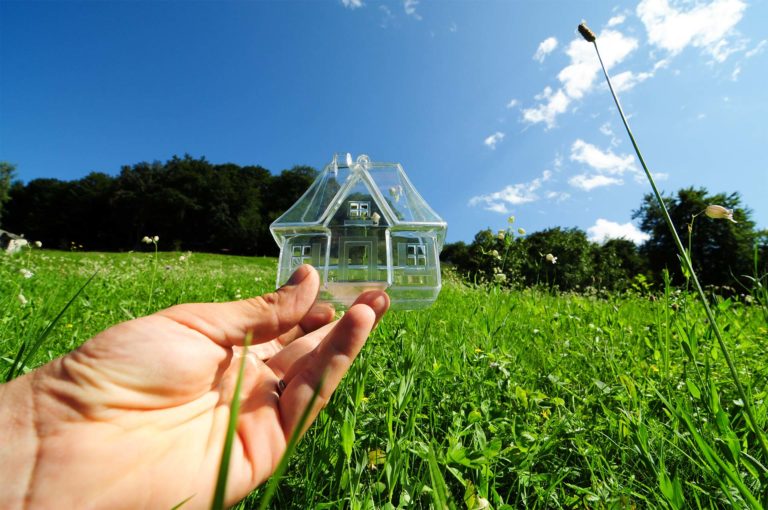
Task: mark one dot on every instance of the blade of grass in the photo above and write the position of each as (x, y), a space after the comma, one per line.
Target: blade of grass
(269, 493)
(590, 37)
(16, 367)
(234, 412)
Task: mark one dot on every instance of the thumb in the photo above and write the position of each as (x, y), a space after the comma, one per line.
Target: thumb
(267, 316)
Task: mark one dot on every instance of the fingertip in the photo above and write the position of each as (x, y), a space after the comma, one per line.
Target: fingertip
(301, 274)
(377, 300)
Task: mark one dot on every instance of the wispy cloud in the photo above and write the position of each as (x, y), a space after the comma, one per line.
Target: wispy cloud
(588, 182)
(546, 47)
(604, 229)
(708, 26)
(616, 20)
(410, 8)
(604, 162)
(757, 49)
(352, 4)
(514, 194)
(492, 140)
(512, 103)
(578, 78)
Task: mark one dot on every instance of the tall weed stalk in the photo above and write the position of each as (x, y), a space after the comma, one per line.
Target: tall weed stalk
(589, 36)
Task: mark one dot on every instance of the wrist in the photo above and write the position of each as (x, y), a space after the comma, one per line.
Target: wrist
(18, 446)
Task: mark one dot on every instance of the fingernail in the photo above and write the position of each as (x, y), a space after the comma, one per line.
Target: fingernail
(299, 275)
(380, 304)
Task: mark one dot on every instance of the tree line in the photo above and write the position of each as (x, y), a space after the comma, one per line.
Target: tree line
(730, 255)
(192, 204)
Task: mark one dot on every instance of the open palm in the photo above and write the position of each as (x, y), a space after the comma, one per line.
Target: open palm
(136, 417)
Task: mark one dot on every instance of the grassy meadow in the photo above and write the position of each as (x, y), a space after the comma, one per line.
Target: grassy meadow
(489, 399)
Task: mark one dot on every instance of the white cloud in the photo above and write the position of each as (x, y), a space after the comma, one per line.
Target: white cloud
(627, 80)
(556, 103)
(604, 162)
(588, 182)
(410, 8)
(707, 26)
(736, 72)
(492, 140)
(557, 196)
(603, 230)
(514, 194)
(512, 103)
(757, 49)
(578, 78)
(616, 20)
(546, 47)
(352, 4)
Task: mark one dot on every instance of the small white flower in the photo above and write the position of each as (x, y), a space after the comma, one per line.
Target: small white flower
(22, 299)
(511, 220)
(182, 258)
(26, 273)
(551, 258)
(502, 234)
(146, 240)
(375, 217)
(482, 504)
(156, 239)
(38, 244)
(719, 212)
(495, 254)
(521, 231)
(500, 277)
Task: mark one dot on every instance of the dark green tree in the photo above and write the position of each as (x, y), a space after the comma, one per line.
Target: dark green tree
(7, 171)
(616, 263)
(721, 251)
(573, 268)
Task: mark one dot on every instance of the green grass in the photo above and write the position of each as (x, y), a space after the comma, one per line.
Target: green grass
(523, 398)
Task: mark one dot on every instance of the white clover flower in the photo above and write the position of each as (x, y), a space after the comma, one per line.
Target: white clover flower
(146, 240)
(551, 258)
(719, 212)
(375, 217)
(482, 504)
(500, 277)
(156, 239)
(182, 258)
(22, 299)
(502, 234)
(495, 253)
(38, 244)
(26, 273)
(521, 231)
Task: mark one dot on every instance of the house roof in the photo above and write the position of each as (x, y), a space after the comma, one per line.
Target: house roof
(386, 183)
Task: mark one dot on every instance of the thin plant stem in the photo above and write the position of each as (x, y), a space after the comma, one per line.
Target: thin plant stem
(688, 266)
(234, 413)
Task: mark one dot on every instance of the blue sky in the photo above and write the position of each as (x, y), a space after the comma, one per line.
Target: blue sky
(493, 108)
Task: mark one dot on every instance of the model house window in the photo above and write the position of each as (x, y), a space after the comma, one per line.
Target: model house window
(416, 255)
(302, 254)
(359, 209)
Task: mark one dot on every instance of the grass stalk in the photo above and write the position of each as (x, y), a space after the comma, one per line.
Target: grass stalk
(590, 37)
(19, 363)
(234, 413)
(274, 480)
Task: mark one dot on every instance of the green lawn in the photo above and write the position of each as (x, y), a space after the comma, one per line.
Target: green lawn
(523, 398)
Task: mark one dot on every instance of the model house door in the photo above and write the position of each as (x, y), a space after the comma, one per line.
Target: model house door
(358, 261)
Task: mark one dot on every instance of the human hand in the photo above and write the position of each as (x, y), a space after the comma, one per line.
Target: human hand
(136, 417)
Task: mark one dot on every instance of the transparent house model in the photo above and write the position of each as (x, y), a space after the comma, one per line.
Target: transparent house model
(364, 226)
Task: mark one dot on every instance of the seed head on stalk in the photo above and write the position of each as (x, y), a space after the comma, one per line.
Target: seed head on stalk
(589, 36)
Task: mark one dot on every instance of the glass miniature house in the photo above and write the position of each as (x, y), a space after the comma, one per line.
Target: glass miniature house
(363, 226)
